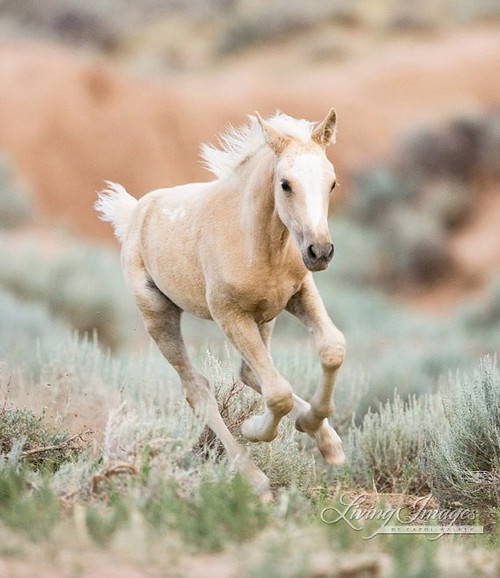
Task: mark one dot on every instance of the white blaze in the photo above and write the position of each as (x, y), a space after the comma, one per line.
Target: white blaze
(314, 207)
(309, 173)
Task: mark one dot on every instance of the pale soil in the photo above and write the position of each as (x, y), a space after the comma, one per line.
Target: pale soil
(135, 555)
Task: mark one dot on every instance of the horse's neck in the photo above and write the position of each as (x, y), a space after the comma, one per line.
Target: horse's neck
(265, 234)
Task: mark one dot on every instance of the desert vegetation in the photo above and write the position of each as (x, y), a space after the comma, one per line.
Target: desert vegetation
(224, 28)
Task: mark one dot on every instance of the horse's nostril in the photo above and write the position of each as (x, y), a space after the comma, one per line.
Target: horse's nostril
(319, 254)
(311, 253)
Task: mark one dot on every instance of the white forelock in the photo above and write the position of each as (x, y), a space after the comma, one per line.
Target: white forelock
(239, 144)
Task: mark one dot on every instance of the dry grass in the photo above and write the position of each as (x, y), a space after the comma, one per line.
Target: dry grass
(233, 410)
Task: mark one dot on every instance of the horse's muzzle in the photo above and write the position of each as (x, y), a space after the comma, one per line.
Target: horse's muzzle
(317, 256)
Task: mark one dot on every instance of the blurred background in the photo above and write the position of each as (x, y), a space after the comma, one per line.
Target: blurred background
(127, 90)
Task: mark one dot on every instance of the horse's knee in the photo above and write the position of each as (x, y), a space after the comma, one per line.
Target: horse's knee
(332, 352)
(280, 402)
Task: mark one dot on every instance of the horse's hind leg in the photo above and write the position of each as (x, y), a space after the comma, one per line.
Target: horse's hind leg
(162, 319)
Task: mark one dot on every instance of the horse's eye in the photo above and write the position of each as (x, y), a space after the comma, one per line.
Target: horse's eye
(285, 185)
(333, 186)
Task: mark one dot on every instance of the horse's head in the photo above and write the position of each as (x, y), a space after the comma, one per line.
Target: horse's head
(303, 183)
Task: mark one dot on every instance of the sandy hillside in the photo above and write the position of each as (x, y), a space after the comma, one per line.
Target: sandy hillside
(69, 122)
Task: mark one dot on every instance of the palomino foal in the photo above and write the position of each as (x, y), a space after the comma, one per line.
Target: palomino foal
(239, 250)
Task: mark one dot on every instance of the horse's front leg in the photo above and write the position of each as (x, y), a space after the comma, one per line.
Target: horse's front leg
(243, 332)
(308, 307)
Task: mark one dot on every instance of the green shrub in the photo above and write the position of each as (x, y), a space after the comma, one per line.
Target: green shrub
(377, 192)
(103, 522)
(478, 10)
(490, 147)
(25, 329)
(16, 204)
(415, 249)
(405, 231)
(450, 151)
(463, 459)
(87, 291)
(410, 206)
(31, 436)
(359, 252)
(482, 314)
(221, 510)
(25, 507)
(253, 23)
(81, 285)
(385, 451)
(285, 461)
(450, 203)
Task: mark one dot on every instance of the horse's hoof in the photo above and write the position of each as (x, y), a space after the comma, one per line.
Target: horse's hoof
(257, 479)
(330, 445)
(333, 456)
(265, 496)
(251, 430)
(261, 486)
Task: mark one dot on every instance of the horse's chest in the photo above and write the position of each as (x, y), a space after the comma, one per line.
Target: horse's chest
(267, 298)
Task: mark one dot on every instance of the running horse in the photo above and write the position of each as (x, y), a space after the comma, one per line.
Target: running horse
(239, 250)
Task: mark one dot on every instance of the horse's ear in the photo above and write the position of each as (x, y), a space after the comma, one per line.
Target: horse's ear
(276, 141)
(325, 132)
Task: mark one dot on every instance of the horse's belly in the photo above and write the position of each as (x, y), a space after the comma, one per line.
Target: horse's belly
(196, 308)
(186, 290)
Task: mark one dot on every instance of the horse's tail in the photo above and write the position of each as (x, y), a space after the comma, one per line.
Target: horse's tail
(116, 206)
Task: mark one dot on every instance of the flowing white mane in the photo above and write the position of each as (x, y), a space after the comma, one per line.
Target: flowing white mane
(239, 144)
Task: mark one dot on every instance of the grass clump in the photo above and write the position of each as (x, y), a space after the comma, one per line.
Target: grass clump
(22, 324)
(103, 523)
(35, 441)
(463, 459)
(385, 451)
(482, 315)
(407, 226)
(25, 507)
(411, 206)
(378, 190)
(285, 461)
(220, 511)
(81, 285)
(254, 23)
